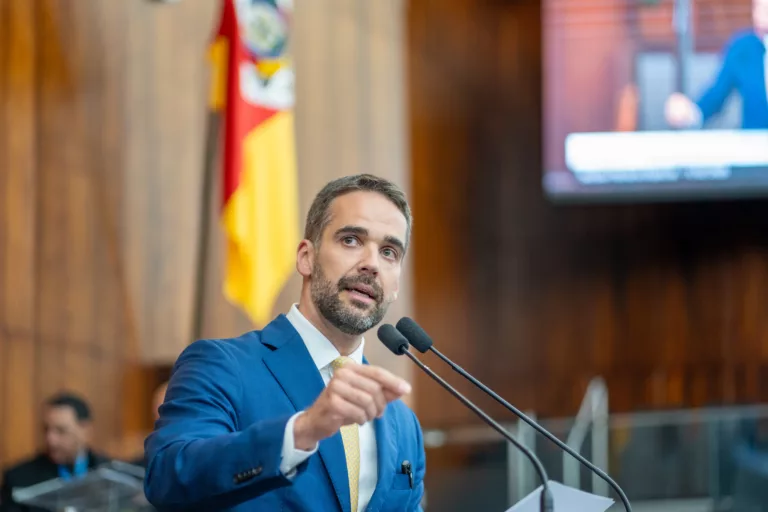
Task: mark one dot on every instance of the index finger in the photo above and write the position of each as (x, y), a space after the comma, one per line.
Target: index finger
(387, 380)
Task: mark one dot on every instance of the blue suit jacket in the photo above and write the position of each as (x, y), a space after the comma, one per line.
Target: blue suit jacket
(218, 442)
(743, 70)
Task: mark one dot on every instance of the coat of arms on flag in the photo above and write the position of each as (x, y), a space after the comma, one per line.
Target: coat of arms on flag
(267, 79)
(252, 91)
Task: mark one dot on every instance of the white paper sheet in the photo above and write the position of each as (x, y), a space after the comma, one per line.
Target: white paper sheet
(566, 499)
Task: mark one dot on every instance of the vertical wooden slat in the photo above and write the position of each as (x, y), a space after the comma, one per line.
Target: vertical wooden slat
(180, 117)
(74, 152)
(345, 129)
(137, 159)
(17, 221)
(312, 54)
(4, 133)
(161, 104)
(53, 93)
(4, 46)
(385, 106)
(103, 289)
(19, 170)
(115, 330)
(152, 186)
(20, 423)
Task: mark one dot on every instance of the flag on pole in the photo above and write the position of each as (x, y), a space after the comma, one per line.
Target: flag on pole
(252, 88)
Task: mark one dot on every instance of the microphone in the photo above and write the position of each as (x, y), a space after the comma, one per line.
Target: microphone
(398, 345)
(422, 342)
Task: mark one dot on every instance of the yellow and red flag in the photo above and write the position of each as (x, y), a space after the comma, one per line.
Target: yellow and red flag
(252, 88)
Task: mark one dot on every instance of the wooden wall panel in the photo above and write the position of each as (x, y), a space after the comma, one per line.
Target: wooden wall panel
(665, 301)
(18, 218)
(166, 84)
(103, 110)
(71, 316)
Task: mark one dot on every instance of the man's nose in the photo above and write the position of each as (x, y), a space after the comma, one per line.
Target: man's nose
(369, 264)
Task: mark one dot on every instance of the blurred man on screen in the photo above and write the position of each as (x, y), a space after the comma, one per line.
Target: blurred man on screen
(743, 69)
(292, 417)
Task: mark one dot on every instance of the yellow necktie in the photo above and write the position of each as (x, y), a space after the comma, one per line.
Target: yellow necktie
(350, 435)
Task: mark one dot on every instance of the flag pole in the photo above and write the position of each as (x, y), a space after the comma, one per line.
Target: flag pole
(206, 196)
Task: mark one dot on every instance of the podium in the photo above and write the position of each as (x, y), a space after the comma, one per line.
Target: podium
(111, 487)
(565, 499)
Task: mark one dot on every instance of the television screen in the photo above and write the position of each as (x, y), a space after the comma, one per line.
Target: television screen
(655, 99)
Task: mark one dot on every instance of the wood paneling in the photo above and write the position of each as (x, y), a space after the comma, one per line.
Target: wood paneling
(167, 85)
(18, 350)
(96, 244)
(103, 109)
(666, 301)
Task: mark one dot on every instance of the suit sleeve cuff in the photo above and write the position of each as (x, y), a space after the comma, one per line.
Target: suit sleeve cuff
(292, 456)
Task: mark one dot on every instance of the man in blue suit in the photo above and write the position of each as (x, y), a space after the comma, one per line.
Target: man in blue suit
(743, 70)
(292, 418)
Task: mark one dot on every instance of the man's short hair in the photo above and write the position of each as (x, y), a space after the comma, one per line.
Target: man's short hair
(320, 212)
(77, 404)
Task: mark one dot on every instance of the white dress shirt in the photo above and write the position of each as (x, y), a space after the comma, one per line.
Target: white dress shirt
(323, 353)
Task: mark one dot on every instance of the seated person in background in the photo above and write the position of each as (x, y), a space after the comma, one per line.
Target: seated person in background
(743, 69)
(157, 400)
(67, 423)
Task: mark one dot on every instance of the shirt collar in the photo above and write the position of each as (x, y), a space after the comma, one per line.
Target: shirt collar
(320, 348)
(79, 468)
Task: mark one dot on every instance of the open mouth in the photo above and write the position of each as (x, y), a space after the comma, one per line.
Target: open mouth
(362, 293)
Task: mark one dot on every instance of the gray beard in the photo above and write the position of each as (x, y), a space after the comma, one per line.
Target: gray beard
(354, 319)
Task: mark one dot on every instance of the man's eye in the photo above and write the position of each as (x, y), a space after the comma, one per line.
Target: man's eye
(349, 240)
(389, 253)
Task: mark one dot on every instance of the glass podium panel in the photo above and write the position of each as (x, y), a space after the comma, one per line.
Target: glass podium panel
(115, 486)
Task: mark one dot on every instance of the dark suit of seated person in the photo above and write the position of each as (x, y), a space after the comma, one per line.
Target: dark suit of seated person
(67, 423)
(743, 70)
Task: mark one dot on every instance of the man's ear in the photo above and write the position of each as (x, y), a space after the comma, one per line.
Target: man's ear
(305, 258)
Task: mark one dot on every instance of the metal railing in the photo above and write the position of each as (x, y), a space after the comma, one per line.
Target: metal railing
(521, 476)
(670, 455)
(592, 413)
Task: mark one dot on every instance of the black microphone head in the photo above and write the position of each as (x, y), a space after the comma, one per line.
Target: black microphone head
(392, 339)
(414, 334)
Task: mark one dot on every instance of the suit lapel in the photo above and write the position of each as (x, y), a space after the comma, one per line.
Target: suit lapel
(332, 453)
(386, 448)
(295, 371)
